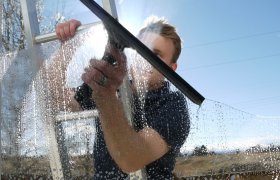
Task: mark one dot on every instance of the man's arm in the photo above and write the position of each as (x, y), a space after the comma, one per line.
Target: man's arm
(131, 150)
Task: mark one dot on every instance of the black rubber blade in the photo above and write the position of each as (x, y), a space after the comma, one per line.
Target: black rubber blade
(123, 37)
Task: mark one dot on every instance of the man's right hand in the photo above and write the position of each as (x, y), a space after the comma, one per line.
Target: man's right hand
(67, 30)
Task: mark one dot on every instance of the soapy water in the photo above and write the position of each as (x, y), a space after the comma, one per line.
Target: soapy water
(34, 142)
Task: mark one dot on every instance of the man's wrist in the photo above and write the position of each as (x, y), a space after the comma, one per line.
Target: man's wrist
(106, 98)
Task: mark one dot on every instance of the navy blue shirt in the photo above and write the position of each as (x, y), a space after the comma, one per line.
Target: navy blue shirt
(166, 112)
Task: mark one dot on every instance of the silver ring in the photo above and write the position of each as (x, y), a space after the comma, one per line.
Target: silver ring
(103, 81)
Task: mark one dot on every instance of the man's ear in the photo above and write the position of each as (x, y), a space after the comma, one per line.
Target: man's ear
(173, 66)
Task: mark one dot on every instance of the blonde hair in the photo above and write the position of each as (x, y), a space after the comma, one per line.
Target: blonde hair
(163, 28)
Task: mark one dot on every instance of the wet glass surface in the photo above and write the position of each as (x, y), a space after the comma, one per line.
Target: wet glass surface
(222, 140)
(41, 138)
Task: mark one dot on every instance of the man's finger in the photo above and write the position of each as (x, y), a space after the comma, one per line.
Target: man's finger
(57, 30)
(74, 24)
(62, 34)
(66, 30)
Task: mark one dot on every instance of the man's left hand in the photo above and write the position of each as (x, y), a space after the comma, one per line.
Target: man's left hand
(105, 78)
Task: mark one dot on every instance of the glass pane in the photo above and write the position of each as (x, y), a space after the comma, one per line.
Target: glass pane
(39, 138)
(52, 12)
(230, 54)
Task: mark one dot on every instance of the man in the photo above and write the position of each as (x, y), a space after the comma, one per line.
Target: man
(160, 125)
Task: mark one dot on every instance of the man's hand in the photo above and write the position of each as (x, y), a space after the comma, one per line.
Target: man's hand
(105, 78)
(67, 30)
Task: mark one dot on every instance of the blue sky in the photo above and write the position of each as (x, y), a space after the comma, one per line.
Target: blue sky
(231, 48)
(231, 55)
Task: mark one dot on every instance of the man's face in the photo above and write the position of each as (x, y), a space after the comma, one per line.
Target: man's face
(164, 49)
